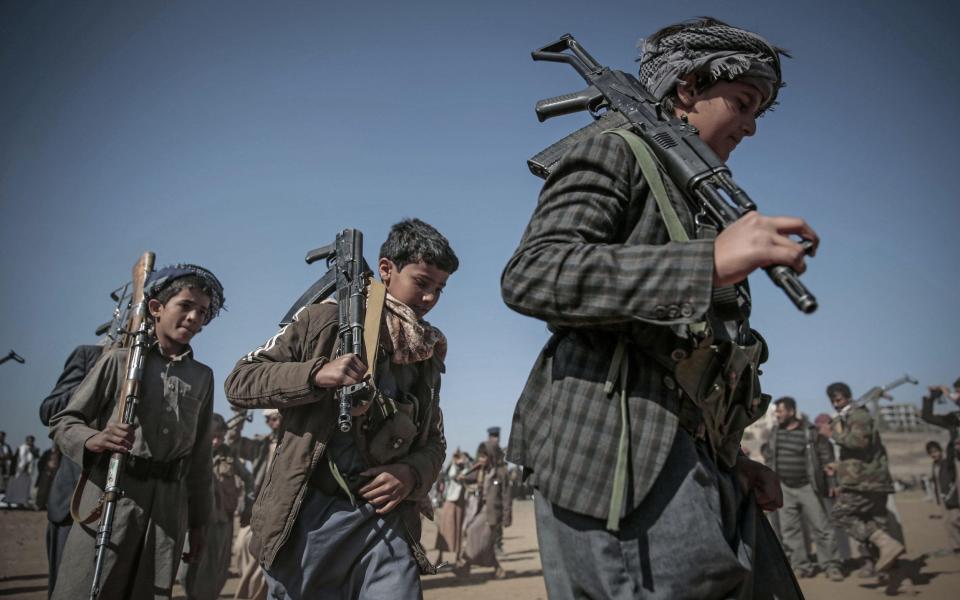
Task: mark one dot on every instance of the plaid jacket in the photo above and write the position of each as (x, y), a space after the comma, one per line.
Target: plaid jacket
(596, 261)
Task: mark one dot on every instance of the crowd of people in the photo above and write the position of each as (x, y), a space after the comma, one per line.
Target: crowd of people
(836, 482)
(629, 426)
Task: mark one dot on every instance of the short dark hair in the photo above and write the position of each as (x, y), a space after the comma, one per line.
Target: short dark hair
(956, 383)
(412, 240)
(787, 401)
(932, 445)
(839, 388)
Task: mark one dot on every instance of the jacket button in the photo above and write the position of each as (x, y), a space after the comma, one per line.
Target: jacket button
(678, 355)
(674, 311)
(686, 310)
(660, 312)
(669, 382)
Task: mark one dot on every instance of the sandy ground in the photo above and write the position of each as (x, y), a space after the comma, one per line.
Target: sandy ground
(926, 572)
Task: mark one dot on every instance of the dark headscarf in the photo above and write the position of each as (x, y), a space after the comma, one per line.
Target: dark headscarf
(712, 49)
(163, 278)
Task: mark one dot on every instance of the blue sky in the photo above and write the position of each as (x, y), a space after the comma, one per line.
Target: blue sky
(241, 134)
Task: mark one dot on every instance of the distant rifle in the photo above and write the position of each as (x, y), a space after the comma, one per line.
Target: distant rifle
(240, 416)
(137, 338)
(13, 356)
(116, 328)
(348, 276)
(617, 100)
(873, 395)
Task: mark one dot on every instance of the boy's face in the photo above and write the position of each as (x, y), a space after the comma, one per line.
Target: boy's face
(181, 318)
(935, 454)
(724, 113)
(418, 285)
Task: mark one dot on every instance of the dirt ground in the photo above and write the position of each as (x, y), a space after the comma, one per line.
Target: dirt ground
(927, 571)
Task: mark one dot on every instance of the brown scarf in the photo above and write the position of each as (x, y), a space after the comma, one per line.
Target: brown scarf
(413, 339)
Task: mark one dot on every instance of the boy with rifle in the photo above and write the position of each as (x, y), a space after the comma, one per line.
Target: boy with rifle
(339, 513)
(166, 477)
(631, 419)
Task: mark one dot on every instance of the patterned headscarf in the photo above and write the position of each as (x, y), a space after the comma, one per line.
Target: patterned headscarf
(162, 278)
(715, 50)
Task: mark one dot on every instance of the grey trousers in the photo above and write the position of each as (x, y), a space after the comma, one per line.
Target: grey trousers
(336, 551)
(803, 504)
(694, 536)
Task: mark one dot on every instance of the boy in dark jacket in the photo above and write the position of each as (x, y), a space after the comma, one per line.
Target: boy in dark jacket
(632, 442)
(338, 514)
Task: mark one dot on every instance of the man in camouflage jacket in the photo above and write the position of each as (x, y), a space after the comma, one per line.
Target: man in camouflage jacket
(863, 476)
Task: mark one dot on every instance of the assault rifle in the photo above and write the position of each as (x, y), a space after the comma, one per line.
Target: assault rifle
(616, 99)
(347, 275)
(116, 328)
(136, 337)
(873, 395)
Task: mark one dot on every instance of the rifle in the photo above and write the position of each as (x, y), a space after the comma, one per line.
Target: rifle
(116, 328)
(616, 99)
(873, 395)
(12, 356)
(348, 275)
(137, 338)
(240, 416)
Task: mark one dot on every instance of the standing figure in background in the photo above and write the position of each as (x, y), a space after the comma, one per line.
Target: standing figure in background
(489, 505)
(800, 455)
(20, 486)
(6, 461)
(260, 451)
(204, 578)
(863, 477)
(493, 438)
(59, 521)
(450, 530)
(944, 468)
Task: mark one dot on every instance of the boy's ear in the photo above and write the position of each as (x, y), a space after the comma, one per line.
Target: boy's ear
(686, 92)
(386, 267)
(154, 306)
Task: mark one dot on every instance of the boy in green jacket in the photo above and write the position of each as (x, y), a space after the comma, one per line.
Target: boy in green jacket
(338, 513)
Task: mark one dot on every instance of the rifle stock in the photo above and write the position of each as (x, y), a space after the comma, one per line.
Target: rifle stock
(137, 340)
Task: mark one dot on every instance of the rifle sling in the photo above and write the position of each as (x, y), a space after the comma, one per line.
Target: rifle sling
(376, 296)
(75, 502)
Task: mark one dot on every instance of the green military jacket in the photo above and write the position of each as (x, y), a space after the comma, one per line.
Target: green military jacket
(863, 465)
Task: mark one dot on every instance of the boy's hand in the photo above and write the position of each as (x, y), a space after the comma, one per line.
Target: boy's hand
(760, 478)
(755, 241)
(115, 437)
(389, 486)
(196, 541)
(346, 370)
